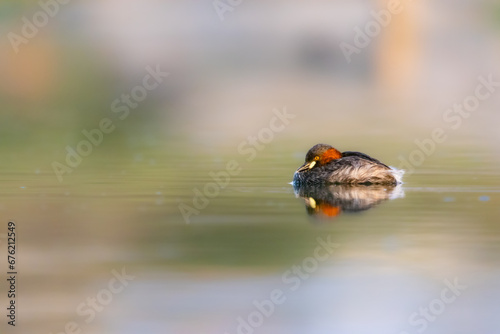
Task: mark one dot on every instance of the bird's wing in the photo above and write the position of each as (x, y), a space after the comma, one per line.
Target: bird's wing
(362, 155)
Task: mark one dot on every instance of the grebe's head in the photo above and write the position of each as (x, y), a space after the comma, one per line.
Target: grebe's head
(319, 155)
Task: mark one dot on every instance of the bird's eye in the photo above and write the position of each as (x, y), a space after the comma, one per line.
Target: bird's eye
(316, 158)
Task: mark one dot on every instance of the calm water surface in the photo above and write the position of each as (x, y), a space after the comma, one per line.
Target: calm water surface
(392, 252)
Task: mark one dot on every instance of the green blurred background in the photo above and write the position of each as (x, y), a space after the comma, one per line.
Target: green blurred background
(120, 206)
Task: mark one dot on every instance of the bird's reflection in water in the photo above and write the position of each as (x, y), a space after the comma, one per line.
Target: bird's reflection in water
(328, 201)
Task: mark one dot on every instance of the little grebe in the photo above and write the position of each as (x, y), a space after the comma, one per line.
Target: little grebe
(325, 164)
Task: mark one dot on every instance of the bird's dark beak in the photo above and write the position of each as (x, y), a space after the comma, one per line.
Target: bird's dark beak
(307, 166)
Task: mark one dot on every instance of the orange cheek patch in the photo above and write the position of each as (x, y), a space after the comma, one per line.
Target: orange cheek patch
(330, 155)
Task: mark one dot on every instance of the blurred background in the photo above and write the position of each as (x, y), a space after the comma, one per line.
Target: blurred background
(62, 67)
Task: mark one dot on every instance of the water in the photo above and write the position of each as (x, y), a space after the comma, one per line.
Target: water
(362, 260)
